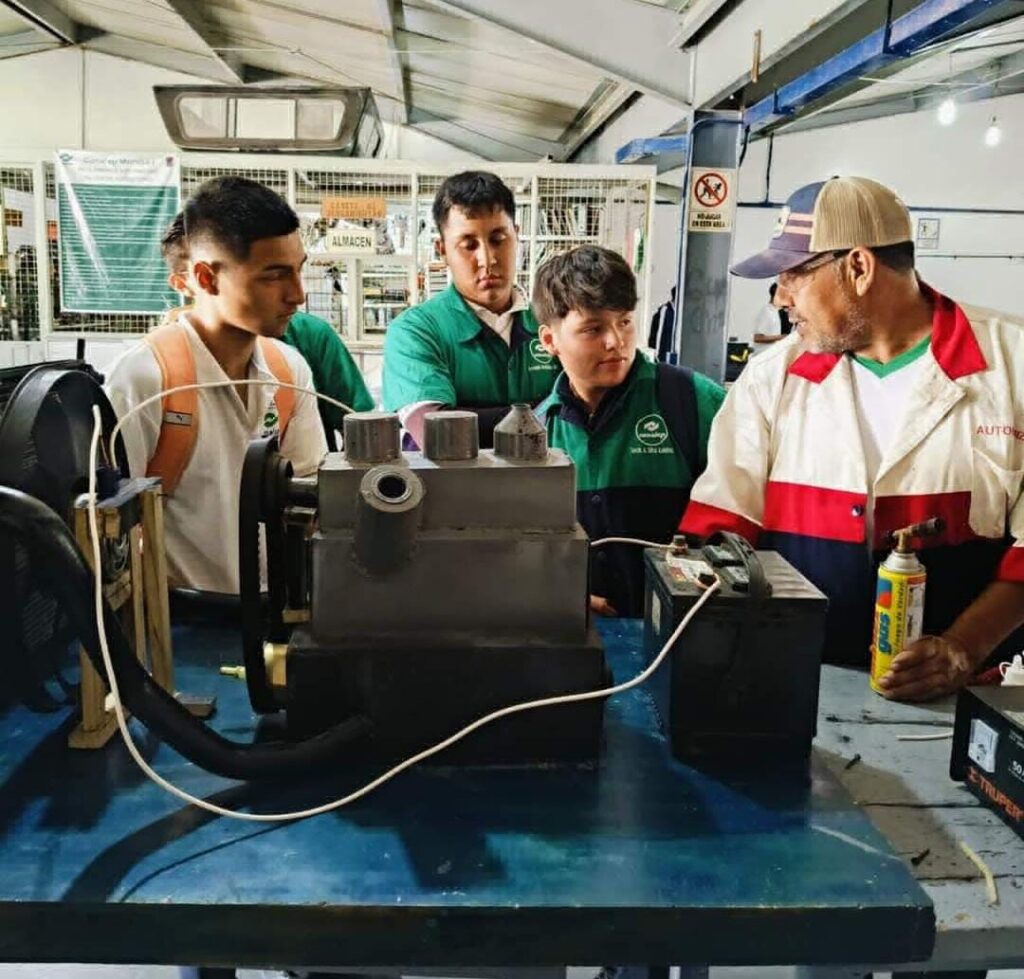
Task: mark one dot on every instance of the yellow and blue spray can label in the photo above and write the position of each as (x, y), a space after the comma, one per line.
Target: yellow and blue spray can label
(899, 615)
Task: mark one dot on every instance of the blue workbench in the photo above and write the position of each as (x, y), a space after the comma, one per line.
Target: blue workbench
(638, 859)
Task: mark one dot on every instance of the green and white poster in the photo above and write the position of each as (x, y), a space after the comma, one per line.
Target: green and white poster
(112, 209)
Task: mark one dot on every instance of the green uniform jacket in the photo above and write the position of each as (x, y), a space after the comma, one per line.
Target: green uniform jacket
(441, 351)
(632, 475)
(334, 371)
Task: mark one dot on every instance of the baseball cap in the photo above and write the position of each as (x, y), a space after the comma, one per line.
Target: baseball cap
(831, 215)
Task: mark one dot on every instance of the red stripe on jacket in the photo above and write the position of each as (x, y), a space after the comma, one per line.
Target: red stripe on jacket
(703, 520)
(1011, 568)
(893, 512)
(812, 511)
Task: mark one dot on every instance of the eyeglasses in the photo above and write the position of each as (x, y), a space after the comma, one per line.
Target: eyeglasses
(818, 262)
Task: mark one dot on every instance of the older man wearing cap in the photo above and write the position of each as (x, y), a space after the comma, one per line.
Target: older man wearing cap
(889, 404)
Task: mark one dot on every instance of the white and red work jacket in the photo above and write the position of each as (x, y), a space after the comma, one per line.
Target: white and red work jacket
(786, 469)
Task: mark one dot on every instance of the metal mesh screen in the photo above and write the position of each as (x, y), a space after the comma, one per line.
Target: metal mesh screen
(19, 285)
(578, 210)
(326, 281)
(274, 178)
(359, 233)
(433, 275)
(385, 292)
(522, 188)
(370, 254)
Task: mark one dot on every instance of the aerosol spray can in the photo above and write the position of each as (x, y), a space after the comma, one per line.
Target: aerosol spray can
(899, 599)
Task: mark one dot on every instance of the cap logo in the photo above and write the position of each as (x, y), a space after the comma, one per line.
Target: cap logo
(780, 224)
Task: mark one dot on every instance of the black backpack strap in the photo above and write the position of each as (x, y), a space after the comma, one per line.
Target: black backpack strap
(677, 397)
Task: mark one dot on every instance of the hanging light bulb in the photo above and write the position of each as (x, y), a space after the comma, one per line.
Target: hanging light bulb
(947, 112)
(994, 134)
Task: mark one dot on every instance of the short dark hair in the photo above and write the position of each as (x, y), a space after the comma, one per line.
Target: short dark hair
(587, 277)
(173, 246)
(235, 212)
(898, 257)
(472, 191)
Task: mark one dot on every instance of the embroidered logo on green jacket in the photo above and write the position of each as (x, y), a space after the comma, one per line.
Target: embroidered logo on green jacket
(540, 356)
(633, 446)
(652, 434)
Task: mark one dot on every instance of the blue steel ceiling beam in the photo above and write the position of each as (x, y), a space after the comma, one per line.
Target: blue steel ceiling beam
(669, 152)
(999, 77)
(924, 25)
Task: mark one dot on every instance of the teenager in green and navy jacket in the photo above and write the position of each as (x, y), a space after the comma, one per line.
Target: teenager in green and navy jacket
(636, 431)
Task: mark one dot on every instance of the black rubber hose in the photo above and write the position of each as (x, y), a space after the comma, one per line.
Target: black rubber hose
(72, 583)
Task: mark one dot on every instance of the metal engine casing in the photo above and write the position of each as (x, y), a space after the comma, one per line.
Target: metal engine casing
(498, 556)
(461, 588)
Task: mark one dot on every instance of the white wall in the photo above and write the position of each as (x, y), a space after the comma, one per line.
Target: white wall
(929, 166)
(664, 253)
(411, 144)
(78, 99)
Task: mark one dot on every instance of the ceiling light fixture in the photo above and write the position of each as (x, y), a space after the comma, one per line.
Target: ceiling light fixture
(947, 112)
(994, 134)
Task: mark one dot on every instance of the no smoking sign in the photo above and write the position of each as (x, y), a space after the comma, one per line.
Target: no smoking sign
(712, 199)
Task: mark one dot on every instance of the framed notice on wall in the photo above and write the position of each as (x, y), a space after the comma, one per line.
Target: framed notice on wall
(112, 209)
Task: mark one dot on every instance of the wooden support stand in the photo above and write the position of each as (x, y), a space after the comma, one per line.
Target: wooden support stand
(139, 594)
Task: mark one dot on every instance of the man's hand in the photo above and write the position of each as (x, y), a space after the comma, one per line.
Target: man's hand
(930, 667)
(601, 606)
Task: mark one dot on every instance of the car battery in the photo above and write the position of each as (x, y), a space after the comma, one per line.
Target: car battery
(988, 749)
(740, 685)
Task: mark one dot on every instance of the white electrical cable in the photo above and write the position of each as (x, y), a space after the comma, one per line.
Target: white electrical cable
(628, 540)
(254, 382)
(391, 773)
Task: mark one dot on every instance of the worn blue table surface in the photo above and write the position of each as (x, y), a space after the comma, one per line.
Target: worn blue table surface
(636, 859)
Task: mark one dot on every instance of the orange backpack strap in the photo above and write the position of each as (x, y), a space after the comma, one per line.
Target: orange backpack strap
(179, 425)
(284, 398)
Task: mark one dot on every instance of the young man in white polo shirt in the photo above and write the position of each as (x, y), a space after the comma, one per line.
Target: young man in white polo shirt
(244, 272)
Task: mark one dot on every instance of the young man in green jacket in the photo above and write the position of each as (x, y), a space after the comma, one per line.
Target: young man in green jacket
(334, 371)
(636, 431)
(475, 346)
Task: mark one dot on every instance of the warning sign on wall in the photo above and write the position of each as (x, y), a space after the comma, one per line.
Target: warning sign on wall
(712, 199)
